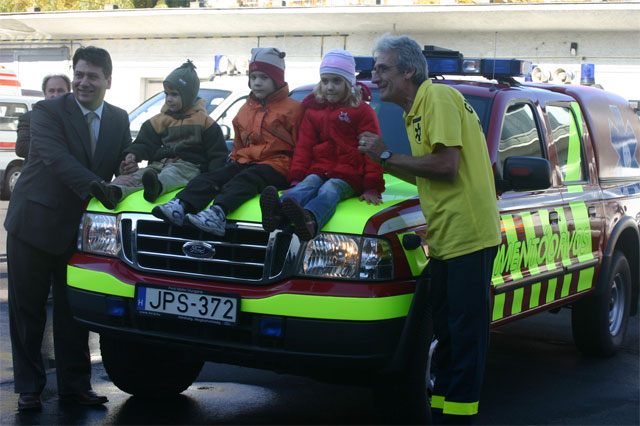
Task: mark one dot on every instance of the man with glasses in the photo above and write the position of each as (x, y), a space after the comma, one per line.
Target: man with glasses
(450, 166)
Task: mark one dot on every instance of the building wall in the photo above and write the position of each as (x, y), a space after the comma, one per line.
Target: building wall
(616, 56)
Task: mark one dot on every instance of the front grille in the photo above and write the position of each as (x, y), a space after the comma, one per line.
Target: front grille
(246, 253)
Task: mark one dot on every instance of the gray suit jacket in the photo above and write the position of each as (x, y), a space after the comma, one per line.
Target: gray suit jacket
(51, 194)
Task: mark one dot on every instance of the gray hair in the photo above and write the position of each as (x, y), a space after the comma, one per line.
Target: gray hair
(409, 52)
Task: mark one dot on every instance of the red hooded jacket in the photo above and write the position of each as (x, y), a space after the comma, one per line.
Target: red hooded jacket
(328, 145)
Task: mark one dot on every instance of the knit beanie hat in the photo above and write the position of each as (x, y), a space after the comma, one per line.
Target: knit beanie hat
(185, 79)
(270, 61)
(339, 62)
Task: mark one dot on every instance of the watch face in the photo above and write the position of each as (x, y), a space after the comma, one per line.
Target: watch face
(385, 155)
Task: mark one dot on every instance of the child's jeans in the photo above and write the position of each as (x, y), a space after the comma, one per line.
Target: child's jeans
(320, 196)
(172, 174)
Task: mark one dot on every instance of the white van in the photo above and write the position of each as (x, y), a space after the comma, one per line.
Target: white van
(11, 108)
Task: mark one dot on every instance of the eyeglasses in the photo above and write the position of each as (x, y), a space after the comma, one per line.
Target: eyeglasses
(382, 68)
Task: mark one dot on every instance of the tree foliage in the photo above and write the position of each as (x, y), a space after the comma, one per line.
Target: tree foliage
(13, 6)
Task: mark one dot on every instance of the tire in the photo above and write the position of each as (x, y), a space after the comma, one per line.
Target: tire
(599, 321)
(146, 370)
(10, 179)
(403, 398)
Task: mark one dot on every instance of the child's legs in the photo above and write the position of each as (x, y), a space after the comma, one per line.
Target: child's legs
(203, 188)
(175, 174)
(127, 190)
(247, 184)
(306, 190)
(323, 206)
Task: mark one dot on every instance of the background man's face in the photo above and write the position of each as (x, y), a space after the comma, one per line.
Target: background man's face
(55, 87)
(89, 84)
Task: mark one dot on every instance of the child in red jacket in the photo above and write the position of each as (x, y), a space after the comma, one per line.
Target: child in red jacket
(327, 166)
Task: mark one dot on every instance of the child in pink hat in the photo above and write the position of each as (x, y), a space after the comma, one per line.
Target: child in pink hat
(327, 166)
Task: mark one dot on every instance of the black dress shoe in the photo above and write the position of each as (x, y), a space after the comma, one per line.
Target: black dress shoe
(88, 397)
(29, 401)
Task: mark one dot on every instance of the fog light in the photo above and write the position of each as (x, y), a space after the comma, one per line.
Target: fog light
(271, 327)
(115, 306)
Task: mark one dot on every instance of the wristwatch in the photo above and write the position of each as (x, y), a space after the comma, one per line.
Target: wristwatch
(384, 156)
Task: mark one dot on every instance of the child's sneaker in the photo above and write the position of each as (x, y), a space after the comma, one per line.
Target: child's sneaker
(271, 209)
(303, 220)
(211, 220)
(172, 212)
(151, 184)
(108, 195)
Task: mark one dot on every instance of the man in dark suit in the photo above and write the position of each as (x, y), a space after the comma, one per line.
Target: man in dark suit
(68, 152)
(52, 85)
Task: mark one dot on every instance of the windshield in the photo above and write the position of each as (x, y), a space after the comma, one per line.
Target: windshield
(152, 106)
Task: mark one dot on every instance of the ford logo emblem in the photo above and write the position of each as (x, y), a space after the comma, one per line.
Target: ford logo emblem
(198, 249)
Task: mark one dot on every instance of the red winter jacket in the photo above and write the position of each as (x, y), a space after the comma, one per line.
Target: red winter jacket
(328, 145)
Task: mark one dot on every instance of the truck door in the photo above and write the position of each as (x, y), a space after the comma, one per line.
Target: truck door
(581, 221)
(526, 269)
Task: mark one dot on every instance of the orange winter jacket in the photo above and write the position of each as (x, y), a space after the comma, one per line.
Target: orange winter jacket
(266, 132)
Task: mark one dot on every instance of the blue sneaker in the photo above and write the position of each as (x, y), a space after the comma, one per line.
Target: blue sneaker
(172, 212)
(212, 220)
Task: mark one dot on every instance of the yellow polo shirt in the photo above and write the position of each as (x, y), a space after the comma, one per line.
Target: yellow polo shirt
(462, 215)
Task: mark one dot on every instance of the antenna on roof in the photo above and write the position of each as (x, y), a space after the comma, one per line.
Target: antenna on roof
(495, 54)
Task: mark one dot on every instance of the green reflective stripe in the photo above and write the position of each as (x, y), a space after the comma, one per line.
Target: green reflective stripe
(437, 401)
(327, 307)
(583, 226)
(498, 307)
(530, 235)
(575, 188)
(574, 163)
(417, 258)
(516, 304)
(565, 252)
(585, 280)
(530, 232)
(460, 408)
(99, 282)
(566, 285)
(534, 299)
(565, 249)
(294, 305)
(551, 290)
(547, 231)
(578, 112)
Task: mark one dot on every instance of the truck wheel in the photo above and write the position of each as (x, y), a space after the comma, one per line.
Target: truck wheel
(403, 398)
(599, 321)
(11, 177)
(145, 370)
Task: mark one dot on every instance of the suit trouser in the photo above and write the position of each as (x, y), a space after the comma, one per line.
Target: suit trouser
(460, 301)
(231, 186)
(31, 273)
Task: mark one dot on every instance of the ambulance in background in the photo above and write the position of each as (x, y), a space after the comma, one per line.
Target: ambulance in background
(12, 105)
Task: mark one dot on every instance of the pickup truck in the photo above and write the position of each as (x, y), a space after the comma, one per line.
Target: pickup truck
(342, 306)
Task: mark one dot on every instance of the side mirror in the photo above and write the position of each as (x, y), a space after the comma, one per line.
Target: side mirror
(524, 174)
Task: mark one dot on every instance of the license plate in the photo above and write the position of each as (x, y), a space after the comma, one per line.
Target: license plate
(202, 307)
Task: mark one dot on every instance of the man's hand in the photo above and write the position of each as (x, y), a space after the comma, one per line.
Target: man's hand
(372, 145)
(125, 180)
(371, 199)
(129, 165)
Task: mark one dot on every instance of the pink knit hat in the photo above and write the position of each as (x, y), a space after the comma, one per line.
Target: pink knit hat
(339, 62)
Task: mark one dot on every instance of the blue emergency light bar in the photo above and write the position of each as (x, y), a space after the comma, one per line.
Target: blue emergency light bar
(443, 61)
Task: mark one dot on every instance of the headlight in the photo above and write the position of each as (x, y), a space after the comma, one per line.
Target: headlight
(99, 234)
(348, 257)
